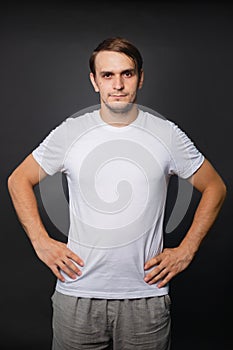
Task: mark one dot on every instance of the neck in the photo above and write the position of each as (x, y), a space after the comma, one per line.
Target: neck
(119, 118)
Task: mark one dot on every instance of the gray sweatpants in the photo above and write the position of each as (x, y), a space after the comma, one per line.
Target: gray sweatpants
(128, 324)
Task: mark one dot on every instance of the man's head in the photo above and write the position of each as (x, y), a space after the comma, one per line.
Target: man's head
(116, 73)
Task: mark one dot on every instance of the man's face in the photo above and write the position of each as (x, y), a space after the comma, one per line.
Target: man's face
(116, 80)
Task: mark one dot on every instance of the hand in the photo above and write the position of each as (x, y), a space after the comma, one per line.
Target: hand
(58, 257)
(168, 264)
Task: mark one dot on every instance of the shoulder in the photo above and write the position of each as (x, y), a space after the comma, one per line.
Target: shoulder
(75, 125)
(158, 126)
(77, 120)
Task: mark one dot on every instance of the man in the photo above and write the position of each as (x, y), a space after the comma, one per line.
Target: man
(113, 275)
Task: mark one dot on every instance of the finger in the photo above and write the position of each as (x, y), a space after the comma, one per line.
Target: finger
(152, 274)
(74, 257)
(156, 270)
(165, 281)
(155, 275)
(69, 272)
(57, 273)
(152, 262)
(162, 280)
(71, 265)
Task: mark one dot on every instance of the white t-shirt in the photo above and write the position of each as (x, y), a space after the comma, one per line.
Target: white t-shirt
(117, 179)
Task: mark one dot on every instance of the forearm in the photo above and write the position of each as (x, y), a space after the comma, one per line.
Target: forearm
(25, 204)
(56, 255)
(172, 261)
(205, 216)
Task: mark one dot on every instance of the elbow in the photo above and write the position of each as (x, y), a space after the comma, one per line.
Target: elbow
(217, 190)
(223, 191)
(11, 182)
(15, 181)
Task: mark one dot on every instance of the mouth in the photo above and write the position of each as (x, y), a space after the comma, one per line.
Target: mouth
(117, 96)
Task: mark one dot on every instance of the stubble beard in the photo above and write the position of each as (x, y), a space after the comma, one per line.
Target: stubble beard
(121, 108)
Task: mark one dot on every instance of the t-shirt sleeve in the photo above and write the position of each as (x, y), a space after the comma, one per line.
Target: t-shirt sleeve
(186, 158)
(50, 154)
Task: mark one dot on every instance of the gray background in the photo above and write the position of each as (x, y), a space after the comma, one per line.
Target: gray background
(188, 55)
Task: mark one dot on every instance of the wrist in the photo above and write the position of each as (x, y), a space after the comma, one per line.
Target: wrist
(40, 239)
(189, 247)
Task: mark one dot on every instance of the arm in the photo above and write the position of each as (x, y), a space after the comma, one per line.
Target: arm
(53, 253)
(174, 260)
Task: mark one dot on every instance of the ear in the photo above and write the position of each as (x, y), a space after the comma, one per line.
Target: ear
(95, 86)
(140, 83)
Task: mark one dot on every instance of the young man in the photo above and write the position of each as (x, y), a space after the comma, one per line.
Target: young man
(113, 275)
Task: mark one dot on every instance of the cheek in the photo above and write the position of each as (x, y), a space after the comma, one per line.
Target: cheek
(133, 89)
(104, 87)
(133, 84)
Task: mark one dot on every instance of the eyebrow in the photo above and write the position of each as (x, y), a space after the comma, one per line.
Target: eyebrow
(130, 70)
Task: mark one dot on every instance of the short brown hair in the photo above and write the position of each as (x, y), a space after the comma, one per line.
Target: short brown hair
(118, 44)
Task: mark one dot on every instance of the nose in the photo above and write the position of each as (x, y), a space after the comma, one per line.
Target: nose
(118, 83)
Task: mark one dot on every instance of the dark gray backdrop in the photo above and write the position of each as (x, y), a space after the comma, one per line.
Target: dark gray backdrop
(188, 55)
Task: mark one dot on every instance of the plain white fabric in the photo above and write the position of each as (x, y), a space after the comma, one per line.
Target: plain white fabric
(117, 179)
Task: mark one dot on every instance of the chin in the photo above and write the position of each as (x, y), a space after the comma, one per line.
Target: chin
(119, 107)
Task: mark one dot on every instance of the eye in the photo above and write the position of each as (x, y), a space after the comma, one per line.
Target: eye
(128, 74)
(107, 75)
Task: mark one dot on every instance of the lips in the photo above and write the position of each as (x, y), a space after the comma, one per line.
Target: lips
(118, 96)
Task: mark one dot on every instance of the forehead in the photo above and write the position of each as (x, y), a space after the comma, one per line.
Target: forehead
(113, 61)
